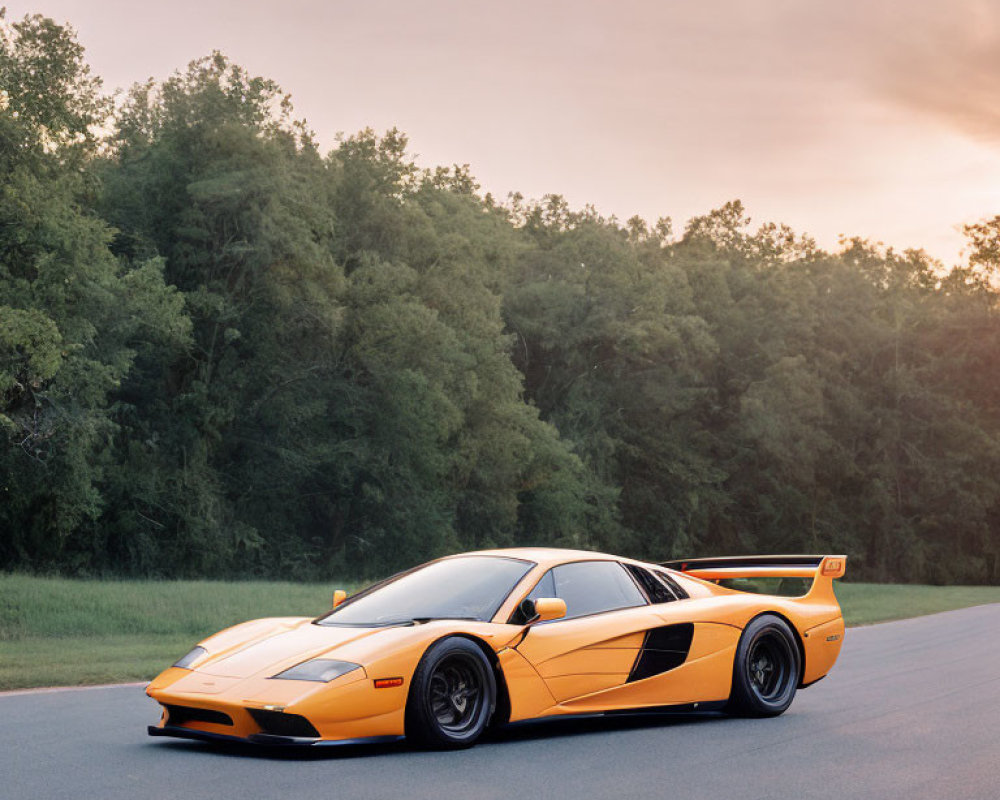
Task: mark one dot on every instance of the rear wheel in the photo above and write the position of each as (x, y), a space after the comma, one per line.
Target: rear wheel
(766, 669)
(452, 695)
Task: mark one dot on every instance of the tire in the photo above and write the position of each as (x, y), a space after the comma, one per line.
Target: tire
(766, 669)
(452, 695)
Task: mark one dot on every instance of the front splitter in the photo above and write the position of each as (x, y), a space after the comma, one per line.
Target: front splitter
(263, 739)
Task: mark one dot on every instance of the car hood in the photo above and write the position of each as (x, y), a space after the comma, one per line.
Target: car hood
(274, 648)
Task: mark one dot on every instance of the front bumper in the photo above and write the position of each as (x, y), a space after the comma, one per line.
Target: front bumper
(266, 711)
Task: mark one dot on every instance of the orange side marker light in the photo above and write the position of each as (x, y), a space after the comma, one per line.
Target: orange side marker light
(387, 683)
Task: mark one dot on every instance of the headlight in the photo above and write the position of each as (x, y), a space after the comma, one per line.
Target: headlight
(319, 669)
(190, 658)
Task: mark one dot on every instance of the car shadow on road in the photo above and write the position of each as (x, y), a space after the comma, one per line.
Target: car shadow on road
(584, 725)
(529, 730)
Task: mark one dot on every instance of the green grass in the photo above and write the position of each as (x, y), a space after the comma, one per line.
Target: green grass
(866, 603)
(56, 632)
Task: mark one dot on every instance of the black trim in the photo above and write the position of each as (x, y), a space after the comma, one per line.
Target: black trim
(680, 708)
(724, 562)
(271, 739)
(708, 706)
(663, 649)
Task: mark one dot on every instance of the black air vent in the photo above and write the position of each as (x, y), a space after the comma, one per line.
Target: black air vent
(181, 715)
(663, 649)
(277, 723)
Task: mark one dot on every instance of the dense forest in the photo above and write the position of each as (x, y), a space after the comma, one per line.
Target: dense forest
(225, 353)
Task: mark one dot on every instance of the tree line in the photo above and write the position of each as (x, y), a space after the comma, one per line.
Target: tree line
(224, 353)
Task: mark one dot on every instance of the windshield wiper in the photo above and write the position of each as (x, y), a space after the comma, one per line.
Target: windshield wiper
(422, 620)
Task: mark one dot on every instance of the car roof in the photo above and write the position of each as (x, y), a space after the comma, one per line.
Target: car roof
(547, 556)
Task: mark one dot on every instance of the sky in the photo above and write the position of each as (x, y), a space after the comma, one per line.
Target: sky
(856, 117)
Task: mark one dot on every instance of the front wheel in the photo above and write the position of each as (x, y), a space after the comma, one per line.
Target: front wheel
(766, 669)
(452, 695)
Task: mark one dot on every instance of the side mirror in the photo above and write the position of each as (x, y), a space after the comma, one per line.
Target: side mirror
(542, 609)
(339, 596)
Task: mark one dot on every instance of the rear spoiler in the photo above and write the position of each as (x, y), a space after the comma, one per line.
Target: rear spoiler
(822, 569)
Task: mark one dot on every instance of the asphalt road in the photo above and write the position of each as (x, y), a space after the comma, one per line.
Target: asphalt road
(912, 710)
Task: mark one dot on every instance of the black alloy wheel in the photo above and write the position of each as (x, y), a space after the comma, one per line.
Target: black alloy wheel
(766, 669)
(452, 695)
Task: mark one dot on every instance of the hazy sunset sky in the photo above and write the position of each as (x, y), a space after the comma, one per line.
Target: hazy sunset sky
(857, 117)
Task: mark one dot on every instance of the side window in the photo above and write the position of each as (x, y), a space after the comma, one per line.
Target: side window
(545, 587)
(590, 587)
(656, 590)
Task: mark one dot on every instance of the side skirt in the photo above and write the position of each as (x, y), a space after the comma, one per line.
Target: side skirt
(708, 707)
(685, 708)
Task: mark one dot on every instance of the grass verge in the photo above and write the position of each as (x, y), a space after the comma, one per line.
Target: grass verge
(867, 603)
(56, 632)
(60, 632)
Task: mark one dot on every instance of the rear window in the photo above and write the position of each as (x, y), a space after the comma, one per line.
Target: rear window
(656, 590)
(674, 586)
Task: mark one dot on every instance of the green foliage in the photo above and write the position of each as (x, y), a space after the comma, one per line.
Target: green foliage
(30, 345)
(72, 318)
(225, 353)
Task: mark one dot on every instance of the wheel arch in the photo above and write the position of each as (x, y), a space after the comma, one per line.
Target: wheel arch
(501, 712)
(795, 635)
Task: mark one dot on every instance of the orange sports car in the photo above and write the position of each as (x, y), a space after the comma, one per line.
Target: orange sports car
(445, 650)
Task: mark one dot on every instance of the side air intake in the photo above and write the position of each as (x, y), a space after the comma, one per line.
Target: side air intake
(663, 649)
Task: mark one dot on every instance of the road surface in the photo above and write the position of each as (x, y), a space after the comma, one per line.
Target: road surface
(912, 710)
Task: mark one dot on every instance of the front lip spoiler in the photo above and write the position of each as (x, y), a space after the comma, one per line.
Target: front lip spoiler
(262, 739)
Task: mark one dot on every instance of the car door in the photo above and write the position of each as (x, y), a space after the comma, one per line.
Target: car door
(596, 645)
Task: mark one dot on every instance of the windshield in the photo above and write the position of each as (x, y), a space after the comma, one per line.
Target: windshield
(468, 587)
